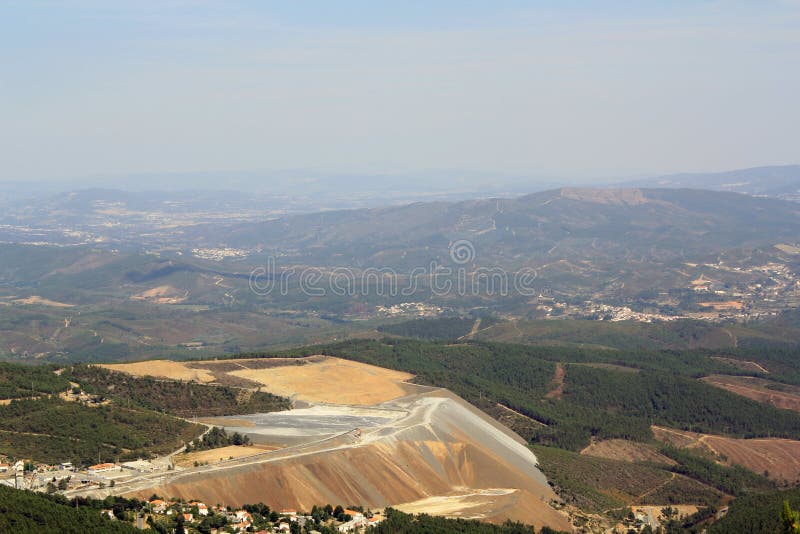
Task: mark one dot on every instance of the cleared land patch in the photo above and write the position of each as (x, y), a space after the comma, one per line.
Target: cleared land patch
(162, 295)
(779, 458)
(332, 380)
(557, 384)
(627, 451)
(212, 456)
(480, 504)
(759, 389)
(41, 301)
(162, 369)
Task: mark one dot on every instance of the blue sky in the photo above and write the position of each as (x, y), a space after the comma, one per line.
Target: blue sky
(563, 89)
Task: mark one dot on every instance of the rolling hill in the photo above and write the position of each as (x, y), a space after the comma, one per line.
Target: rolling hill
(570, 223)
(780, 181)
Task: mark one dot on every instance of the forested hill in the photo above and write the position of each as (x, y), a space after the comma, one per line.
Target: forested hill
(648, 224)
(24, 512)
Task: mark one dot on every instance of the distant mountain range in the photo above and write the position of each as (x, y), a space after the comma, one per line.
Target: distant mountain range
(576, 224)
(776, 181)
(164, 280)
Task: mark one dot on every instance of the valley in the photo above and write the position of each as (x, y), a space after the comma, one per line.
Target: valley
(645, 367)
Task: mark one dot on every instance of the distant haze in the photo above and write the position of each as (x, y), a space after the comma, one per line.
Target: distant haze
(537, 92)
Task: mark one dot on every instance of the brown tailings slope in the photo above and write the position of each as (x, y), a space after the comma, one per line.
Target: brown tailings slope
(780, 457)
(441, 450)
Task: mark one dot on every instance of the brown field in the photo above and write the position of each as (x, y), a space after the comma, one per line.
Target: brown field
(162, 369)
(313, 379)
(162, 295)
(41, 301)
(478, 504)
(779, 457)
(627, 451)
(212, 456)
(229, 421)
(758, 389)
(331, 380)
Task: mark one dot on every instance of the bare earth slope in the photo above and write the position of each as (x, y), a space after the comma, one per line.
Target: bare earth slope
(779, 395)
(780, 458)
(627, 451)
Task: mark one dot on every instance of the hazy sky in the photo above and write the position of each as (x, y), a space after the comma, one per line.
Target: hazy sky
(545, 88)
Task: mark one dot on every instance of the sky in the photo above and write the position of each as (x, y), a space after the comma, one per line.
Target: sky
(585, 90)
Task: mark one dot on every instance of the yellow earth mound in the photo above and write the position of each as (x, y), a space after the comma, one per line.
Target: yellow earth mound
(332, 380)
(216, 455)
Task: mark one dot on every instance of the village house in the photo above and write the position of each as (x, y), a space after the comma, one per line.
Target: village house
(103, 468)
(158, 506)
(202, 509)
(358, 521)
(139, 465)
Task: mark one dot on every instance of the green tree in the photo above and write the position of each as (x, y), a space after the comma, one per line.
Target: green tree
(790, 519)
